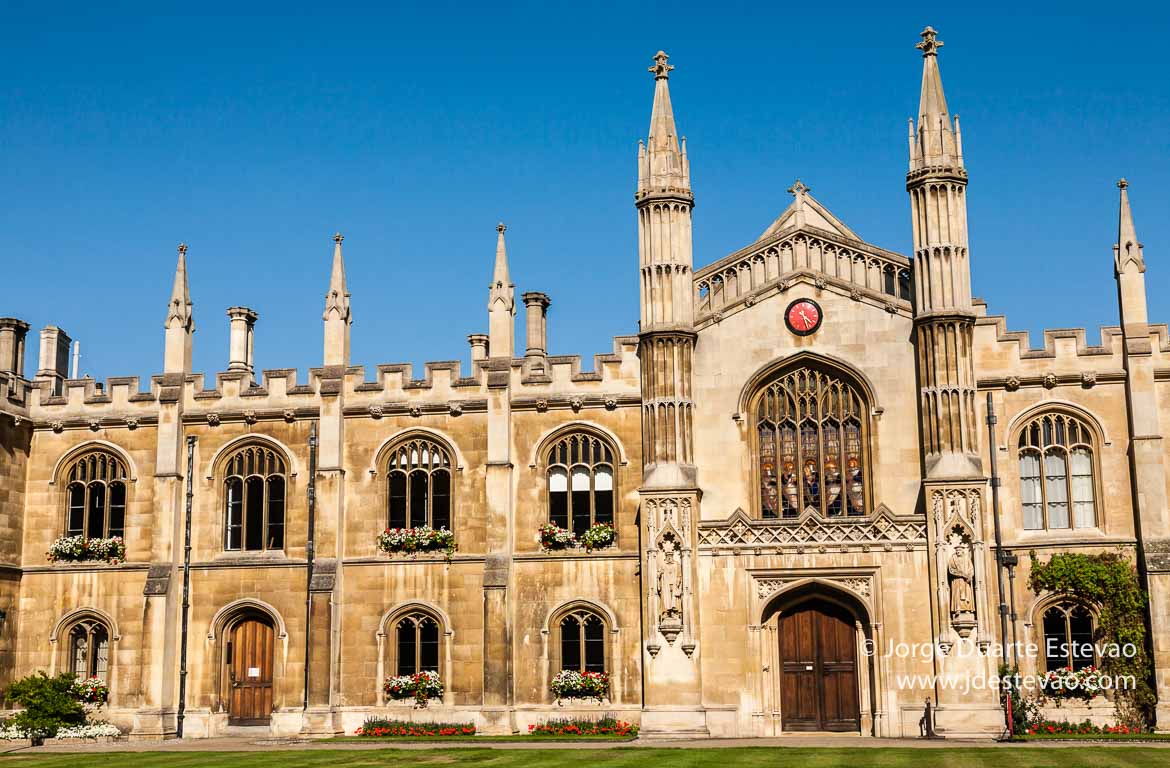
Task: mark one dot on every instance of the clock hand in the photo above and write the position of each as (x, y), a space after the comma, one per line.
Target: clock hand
(804, 316)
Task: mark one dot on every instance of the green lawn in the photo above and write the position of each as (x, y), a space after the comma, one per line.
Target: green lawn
(621, 757)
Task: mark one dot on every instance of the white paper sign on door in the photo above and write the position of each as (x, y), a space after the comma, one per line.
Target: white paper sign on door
(253, 671)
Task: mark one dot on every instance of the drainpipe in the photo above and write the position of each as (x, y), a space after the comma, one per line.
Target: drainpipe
(309, 550)
(186, 588)
(999, 556)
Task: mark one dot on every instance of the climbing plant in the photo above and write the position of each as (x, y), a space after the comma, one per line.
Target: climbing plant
(1109, 582)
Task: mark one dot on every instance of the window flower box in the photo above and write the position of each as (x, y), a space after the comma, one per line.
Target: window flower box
(411, 541)
(1068, 683)
(598, 536)
(554, 538)
(91, 690)
(571, 684)
(421, 686)
(78, 549)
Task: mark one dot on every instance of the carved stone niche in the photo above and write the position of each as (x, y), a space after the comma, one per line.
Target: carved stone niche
(961, 582)
(670, 587)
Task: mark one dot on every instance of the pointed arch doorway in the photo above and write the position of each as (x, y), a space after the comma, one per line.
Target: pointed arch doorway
(818, 668)
(248, 658)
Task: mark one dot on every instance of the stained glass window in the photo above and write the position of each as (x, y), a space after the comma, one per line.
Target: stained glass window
(810, 446)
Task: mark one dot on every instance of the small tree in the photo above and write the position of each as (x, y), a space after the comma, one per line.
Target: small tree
(48, 703)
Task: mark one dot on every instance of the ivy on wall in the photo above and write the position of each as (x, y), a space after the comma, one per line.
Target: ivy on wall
(1109, 582)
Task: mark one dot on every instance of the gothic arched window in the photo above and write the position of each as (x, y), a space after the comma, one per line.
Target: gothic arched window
(582, 641)
(1056, 473)
(1068, 637)
(811, 446)
(96, 496)
(254, 499)
(580, 482)
(89, 649)
(416, 644)
(419, 478)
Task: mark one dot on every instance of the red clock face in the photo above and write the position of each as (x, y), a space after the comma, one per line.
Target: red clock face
(803, 317)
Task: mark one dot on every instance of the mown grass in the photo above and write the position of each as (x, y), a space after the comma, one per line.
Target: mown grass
(619, 757)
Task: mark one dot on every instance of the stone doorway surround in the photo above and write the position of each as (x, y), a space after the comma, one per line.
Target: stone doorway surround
(774, 591)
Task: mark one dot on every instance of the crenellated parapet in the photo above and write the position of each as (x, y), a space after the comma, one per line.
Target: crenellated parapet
(1007, 359)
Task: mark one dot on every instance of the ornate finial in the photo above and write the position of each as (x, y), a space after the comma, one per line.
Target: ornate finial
(661, 69)
(929, 45)
(182, 249)
(1122, 183)
(798, 188)
(338, 237)
(500, 228)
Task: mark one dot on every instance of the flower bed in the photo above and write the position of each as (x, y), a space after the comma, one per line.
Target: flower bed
(570, 684)
(553, 538)
(80, 549)
(411, 541)
(91, 690)
(422, 687)
(605, 726)
(1068, 683)
(377, 727)
(95, 730)
(1044, 729)
(598, 537)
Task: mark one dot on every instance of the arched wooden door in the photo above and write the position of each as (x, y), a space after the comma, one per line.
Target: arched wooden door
(818, 681)
(249, 671)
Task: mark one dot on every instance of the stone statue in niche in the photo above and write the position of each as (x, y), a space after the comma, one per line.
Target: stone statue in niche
(670, 589)
(961, 573)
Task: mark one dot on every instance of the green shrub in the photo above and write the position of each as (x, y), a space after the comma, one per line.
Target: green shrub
(47, 703)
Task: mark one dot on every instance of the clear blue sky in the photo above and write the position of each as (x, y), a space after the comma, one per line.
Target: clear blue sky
(253, 132)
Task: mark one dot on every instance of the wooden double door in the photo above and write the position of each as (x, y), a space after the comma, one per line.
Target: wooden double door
(249, 671)
(818, 681)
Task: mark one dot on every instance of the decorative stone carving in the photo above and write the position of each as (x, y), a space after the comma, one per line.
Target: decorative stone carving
(415, 411)
(610, 403)
(855, 295)
(670, 589)
(213, 419)
(95, 424)
(576, 403)
(57, 426)
(1011, 383)
(751, 301)
(1049, 380)
(890, 307)
(375, 411)
(812, 530)
(132, 423)
(784, 285)
(860, 585)
(961, 573)
(1088, 378)
(456, 409)
(820, 283)
(290, 415)
(541, 405)
(717, 316)
(249, 417)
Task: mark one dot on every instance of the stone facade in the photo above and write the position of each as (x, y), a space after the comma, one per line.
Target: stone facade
(720, 547)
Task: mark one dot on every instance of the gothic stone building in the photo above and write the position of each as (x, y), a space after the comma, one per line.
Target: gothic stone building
(793, 452)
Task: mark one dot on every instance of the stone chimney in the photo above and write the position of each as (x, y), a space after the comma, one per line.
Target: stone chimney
(241, 336)
(536, 326)
(12, 333)
(54, 360)
(479, 346)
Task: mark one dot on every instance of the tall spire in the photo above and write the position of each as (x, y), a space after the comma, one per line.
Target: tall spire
(337, 314)
(934, 141)
(179, 311)
(1128, 249)
(337, 299)
(501, 303)
(662, 164)
(180, 322)
(500, 273)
